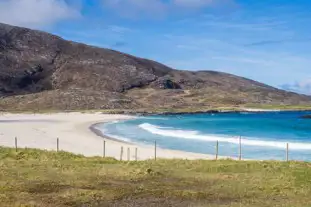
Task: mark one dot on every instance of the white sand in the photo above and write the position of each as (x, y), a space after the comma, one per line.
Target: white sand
(42, 130)
(259, 110)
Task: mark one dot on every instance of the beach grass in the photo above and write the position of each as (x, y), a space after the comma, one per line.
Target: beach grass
(279, 107)
(32, 177)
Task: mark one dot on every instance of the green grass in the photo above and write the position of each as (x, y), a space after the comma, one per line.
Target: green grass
(170, 110)
(280, 107)
(39, 178)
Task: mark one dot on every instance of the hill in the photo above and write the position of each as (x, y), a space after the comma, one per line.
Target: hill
(39, 178)
(43, 71)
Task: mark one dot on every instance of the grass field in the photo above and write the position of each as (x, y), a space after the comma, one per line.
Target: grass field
(39, 178)
(280, 107)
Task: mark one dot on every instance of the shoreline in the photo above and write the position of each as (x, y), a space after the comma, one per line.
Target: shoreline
(212, 111)
(216, 112)
(75, 134)
(78, 134)
(99, 133)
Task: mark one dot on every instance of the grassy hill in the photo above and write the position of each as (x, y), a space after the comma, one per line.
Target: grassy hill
(43, 71)
(39, 178)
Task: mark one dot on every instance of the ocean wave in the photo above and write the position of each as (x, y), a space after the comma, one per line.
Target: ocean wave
(117, 137)
(105, 132)
(187, 134)
(153, 118)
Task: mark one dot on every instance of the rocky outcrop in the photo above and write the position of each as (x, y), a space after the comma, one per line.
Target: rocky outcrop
(306, 116)
(165, 83)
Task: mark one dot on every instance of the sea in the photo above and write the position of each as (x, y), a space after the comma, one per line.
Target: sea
(263, 136)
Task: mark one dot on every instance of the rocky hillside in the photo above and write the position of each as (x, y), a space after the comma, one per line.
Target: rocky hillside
(41, 70)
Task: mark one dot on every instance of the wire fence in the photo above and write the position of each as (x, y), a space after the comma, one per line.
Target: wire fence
(131, 152)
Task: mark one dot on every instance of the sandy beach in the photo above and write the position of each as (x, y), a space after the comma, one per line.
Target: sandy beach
(75, 135)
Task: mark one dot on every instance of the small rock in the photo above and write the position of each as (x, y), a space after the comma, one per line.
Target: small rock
(306, 116)
(149, 170)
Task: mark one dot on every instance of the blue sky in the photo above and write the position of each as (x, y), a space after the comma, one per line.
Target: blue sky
(265, 40)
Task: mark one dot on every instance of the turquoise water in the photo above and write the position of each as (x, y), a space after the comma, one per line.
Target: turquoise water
(264, 135)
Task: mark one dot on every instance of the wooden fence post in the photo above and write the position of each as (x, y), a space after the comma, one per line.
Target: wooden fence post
(104, 149)
(155, 150)
(217, 144)
(287, 149)
(121, 154)
(128, 154)
(136, 154)
(240, 150)
(16, 144)
(57, 144)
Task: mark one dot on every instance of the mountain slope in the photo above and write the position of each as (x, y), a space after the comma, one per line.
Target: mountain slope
(40, 70)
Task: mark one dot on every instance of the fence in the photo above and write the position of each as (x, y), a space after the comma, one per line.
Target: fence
(136, 158)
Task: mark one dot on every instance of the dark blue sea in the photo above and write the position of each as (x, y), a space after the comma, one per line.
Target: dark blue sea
(264, 135)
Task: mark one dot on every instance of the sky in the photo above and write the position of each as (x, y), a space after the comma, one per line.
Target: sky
(265, 40)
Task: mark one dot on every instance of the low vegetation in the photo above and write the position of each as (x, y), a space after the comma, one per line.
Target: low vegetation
(167, 110)
(39, 178)
(280, 107)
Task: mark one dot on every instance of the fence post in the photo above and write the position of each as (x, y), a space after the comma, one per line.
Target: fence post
(121, 154)
(155, 150)
(287, 149)
(217, 144)
(128, 154)
(104, 149)
(240, 150)
(16, 144)
(136, 154)
(57, 144)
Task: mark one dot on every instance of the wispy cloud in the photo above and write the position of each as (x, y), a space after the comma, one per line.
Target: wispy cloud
(245, 26)
(243, 60)
(200, 3)
(120, 29)
(36, 13)
(115, 36)
(273, 42)
(303, 87)
(91, 32)
(247, 40)
(193, 50)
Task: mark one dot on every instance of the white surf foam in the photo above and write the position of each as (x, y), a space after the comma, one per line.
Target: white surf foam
(185, 134)
(118, 137)
(154, 118)
(105, 132)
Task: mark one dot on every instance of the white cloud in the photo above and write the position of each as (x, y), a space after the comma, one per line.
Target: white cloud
(36, 13)
(303, 87)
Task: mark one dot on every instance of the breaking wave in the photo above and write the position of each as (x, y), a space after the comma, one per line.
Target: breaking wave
(187, 134)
